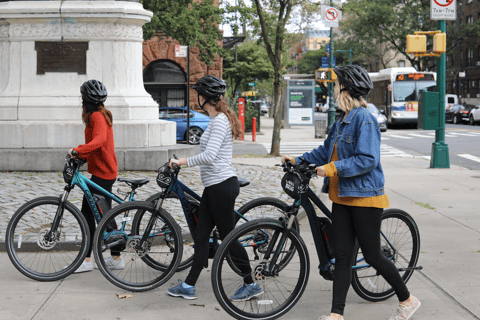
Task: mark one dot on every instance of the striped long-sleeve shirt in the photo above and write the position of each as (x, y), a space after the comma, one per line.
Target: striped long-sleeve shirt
(215, 158)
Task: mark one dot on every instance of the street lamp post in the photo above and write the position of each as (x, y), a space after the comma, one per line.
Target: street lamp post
(331, 109)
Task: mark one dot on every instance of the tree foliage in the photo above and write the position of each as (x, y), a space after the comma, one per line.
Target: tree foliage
(192, 23)
(311, 61)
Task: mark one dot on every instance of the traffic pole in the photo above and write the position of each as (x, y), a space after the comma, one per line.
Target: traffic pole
(188, 94)
(439, 156)
(331, 109)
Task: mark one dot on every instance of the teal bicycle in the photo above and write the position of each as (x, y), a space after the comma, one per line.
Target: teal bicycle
(47, 238)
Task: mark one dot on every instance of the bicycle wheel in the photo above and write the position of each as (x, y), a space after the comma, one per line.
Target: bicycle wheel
(173, 206)
(262, 208)
(136, 269)
(38, 257)
(400, 243)
(281, 291)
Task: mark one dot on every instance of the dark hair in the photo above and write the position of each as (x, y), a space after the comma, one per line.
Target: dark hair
(221, 106)
(89, 108)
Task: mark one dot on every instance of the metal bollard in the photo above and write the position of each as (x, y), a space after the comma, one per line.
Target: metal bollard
(254, 129)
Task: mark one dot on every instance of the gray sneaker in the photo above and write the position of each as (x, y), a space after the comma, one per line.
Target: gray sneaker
(404, 312)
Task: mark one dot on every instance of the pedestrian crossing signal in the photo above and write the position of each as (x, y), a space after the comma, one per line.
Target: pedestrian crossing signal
(325, 75)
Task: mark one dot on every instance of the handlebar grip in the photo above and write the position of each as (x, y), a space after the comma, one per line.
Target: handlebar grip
(175, 156)
(74, 152)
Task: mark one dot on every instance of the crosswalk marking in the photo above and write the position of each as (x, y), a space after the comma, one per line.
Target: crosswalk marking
(470, 157)
(463, 134)
(419, 135)
(401, 137)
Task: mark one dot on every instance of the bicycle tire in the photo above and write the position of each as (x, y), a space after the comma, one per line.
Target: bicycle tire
(262, 208)
(64, 257)
(226, 280)
(138, 262)
(172, 204)
(407, 243)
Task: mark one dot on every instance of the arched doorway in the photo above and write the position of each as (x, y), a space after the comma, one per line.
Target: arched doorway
(165, 81)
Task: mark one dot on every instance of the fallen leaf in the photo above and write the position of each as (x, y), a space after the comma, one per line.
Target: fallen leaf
(124, 296)
(197, 305)
(217, 309)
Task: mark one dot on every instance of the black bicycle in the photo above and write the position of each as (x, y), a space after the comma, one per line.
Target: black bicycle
(175, 198)
(280, 262)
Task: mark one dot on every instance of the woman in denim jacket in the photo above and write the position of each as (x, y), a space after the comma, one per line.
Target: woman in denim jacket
(349, 160)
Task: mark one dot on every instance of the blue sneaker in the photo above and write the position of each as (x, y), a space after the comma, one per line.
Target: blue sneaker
(246, 292)
(180, 291)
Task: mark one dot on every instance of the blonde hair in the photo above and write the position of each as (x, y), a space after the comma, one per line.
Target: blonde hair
(221, 106)
(345, 102)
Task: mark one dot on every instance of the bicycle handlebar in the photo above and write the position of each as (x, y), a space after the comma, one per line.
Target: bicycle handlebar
(304, 167)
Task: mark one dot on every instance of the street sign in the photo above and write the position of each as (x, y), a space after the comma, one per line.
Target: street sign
(331, 16)
(181, 51)
(325, 62)
(443, 9)
(251, 84)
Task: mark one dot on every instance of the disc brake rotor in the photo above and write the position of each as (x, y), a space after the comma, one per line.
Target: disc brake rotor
(133, 246)
(47, 243)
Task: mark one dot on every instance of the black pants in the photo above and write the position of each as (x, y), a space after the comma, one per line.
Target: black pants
(88, 214)
(364, 223)
(217, 209)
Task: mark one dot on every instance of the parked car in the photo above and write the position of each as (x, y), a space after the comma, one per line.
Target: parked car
(450, 100)
(325, 108)
(474, 116)
(264, 108)
(198, 122)
(318, 107)
(458, 113)
(381, 119)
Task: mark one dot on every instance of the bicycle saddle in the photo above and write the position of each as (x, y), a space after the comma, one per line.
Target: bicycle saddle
(243, 182)
(137, 183)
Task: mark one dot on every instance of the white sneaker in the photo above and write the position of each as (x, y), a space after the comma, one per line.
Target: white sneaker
(85, 267)
(113, 264)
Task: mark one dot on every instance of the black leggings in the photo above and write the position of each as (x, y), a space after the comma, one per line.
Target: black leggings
(364, 223)
(217, 209)
(88, 214)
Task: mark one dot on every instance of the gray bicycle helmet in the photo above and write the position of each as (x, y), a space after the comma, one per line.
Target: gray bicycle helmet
(94, 91)
(355, 79)
(211, 88)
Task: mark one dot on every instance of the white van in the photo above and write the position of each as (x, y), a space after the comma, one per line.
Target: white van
(450, 100)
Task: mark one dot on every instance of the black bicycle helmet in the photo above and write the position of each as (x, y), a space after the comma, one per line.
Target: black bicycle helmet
(355, 79)
(94, 91)
(210, 87)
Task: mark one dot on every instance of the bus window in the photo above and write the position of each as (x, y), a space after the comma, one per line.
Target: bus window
(422, 85)
(403, 91)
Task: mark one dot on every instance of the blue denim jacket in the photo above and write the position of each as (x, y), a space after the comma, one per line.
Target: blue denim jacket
(358, 148)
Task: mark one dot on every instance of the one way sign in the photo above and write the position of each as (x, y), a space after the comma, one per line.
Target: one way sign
(331, 16)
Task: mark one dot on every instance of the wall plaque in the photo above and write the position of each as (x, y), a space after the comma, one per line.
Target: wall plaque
(62, 56)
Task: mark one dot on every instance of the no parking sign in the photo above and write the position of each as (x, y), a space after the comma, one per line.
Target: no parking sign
(443, 9)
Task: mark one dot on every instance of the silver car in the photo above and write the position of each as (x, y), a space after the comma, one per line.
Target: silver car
(381, 119)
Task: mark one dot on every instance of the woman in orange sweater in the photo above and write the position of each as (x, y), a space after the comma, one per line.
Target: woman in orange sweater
(99, 150)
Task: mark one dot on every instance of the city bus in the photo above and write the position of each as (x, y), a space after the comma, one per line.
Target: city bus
(396, 92)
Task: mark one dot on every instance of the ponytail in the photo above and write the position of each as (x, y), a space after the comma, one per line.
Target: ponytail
(221, 106)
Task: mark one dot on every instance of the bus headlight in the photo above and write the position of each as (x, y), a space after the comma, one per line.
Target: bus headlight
(397, 114)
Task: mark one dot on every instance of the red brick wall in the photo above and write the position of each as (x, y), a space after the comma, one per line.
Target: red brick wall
(160, 47)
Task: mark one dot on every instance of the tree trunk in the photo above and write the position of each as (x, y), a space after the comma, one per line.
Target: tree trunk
(277, 123)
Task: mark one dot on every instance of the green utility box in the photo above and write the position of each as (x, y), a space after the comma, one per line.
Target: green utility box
(428, 111)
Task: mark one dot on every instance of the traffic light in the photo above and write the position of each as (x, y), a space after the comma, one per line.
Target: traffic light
(325, 75)
(417, 44)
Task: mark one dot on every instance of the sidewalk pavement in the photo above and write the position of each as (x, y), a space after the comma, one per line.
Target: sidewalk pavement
(443, 202)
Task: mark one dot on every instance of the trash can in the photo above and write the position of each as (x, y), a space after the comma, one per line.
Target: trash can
(320, 128)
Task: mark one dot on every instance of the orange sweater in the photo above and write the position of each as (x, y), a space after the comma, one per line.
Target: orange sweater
(331, 171)
(99, 148)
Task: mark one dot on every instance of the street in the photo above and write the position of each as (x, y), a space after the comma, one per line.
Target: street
(463, 143)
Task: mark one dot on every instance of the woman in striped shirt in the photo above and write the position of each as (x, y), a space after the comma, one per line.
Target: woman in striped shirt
(221, 188)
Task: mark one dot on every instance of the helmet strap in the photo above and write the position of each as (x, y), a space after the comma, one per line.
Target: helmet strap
(202, 105)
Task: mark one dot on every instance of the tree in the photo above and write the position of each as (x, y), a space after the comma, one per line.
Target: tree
(269, 19)
(192, 23)
(252, 62)
(311, 61)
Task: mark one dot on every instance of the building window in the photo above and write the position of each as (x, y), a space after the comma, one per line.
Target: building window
(401, 63)
(470, 19)
(469, 1)
(470, 62)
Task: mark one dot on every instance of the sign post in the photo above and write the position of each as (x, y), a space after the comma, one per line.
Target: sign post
(184, 52)
(441, 10)
(241, 116)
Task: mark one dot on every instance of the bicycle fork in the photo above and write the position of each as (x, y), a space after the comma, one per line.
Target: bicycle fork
(49, 236)
(270, 269)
